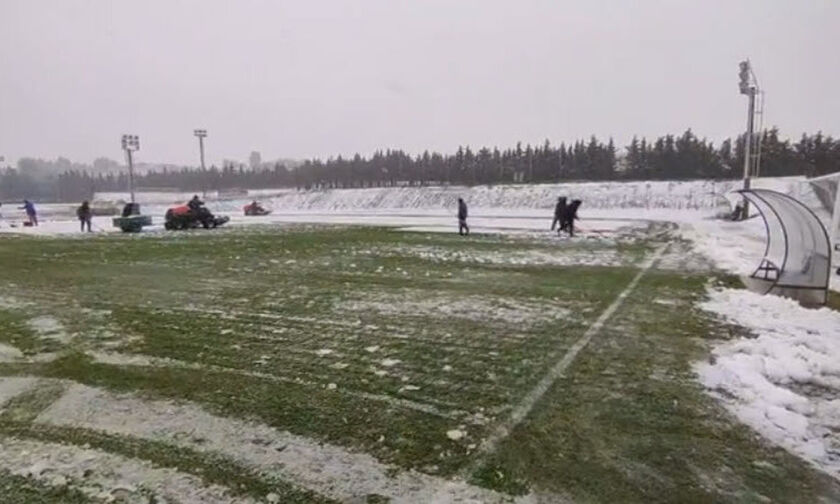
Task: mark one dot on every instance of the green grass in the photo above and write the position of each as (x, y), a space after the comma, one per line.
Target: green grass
(16, 489)
(245, 312)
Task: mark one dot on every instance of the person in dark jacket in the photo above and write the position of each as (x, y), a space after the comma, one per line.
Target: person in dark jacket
(31, 214)
(570, 216)
(195, 204)
(463, 228)
(84, 214)
(559, 210)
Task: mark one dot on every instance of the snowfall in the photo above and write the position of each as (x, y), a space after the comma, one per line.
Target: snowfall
(783, 380)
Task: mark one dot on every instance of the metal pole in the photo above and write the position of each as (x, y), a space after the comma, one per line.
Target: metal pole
(201, 148)
(748, 140)
(835, 216)
(130, 175)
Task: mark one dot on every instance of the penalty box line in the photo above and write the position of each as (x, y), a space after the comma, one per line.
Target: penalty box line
(524, 407)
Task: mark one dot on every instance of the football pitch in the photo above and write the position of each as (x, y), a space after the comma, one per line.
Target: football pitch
(365, 364)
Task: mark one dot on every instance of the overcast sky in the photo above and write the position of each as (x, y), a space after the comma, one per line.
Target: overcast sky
(309, 78)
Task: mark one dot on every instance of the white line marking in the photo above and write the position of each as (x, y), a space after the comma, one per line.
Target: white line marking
(524, 407)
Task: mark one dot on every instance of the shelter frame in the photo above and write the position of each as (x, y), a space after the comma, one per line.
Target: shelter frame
(797, 254)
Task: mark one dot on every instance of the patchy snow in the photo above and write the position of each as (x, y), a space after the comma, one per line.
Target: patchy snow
(490, 309)
(13, 386)
(785, 382)
(9, 353)
(140, 360)
(321, 467)
(455, 434)
(517, 257)
(48, 327)
(107, 477)
(390, 362)
(11, 303)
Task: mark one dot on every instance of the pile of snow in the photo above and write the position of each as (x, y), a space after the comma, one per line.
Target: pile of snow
(708, 195)
(784, 383)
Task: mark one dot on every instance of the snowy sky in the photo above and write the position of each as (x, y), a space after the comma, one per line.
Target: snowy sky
(310, 78)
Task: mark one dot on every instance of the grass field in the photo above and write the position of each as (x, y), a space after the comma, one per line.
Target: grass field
(313, 363)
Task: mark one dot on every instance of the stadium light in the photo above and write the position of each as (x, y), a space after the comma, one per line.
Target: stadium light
(130, 143)
(201, 134)
(748, 85)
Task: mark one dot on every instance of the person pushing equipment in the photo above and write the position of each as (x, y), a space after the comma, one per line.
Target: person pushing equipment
(559, 210)
(567, 223)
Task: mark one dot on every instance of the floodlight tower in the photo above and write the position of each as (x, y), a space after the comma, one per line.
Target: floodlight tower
(201, 134)
(130, 143)
(131, 221)
(748, 85)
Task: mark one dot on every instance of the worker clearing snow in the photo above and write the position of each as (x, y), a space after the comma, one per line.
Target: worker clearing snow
(31, 213)
(559, 210)
(567, 222)
(254, 208)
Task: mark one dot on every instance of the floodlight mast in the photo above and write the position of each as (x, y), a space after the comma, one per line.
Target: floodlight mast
(748, 85)
(201, 133)
(130, 143)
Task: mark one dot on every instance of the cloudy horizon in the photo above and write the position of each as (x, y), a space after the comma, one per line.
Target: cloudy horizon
(319, 79)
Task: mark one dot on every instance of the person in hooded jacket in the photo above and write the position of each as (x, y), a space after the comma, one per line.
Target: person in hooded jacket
(85, 215)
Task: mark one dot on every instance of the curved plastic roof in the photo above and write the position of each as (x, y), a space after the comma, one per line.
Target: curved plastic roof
(798, 252)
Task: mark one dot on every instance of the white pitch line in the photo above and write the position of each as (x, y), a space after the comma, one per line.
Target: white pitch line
(524, 407)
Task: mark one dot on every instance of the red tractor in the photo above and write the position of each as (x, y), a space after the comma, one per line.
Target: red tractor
(184, 217)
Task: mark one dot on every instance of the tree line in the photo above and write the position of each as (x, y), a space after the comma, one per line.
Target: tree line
(668, 157)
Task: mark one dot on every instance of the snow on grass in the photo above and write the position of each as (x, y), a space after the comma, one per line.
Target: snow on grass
(329, 470)
(11, 387)
(48, 327)
(736, 247)
(107, 477)
(9, 353)
(489, 309)
(785, 382)
(11, 303)
(517, 257)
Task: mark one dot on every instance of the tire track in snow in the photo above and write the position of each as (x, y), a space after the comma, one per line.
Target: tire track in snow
(108, 477)
(326, 469)
(138, 360)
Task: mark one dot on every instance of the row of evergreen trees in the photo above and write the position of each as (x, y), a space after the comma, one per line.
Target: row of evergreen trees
(668, 157)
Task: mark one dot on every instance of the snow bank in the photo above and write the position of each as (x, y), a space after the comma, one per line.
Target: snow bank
(784, 383)
(706, 195)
